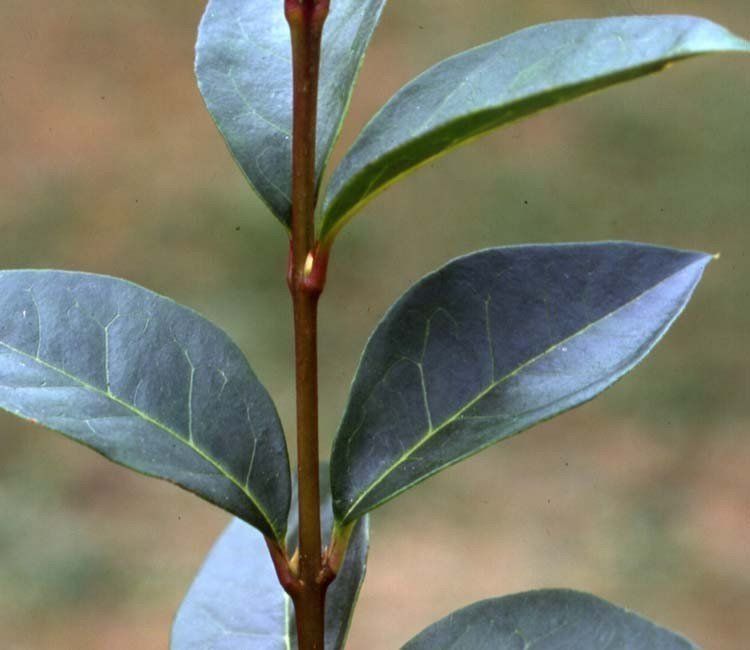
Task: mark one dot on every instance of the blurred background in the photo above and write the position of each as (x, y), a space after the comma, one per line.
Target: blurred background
(109, 163)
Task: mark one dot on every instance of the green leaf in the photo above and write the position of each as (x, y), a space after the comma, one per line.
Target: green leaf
(147, 383)
(500, 82)
(492, 344)
(244, 71)
(550, 619)
(236, 601)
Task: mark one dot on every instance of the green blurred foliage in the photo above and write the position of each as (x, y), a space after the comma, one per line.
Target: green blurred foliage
(111, 164)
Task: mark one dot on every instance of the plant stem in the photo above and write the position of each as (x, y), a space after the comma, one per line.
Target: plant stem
(306, 277)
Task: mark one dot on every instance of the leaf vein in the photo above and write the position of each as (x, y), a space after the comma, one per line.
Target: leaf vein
(160, 425)
(428, 435)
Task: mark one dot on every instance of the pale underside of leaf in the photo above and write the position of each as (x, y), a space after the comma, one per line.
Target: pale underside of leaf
(235, 601)
(549, 619)
(491, 344)
(495, 84)
(147, 383)
(244, 72)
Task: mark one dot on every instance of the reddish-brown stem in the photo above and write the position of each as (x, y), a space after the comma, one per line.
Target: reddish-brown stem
(306, 277)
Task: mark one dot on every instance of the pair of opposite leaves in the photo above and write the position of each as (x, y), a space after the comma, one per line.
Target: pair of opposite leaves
(479, 350)
(244, 72)
(484, 348)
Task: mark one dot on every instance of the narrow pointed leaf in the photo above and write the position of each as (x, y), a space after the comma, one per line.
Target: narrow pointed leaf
(147, 383)
(492, 344)
(550, 619)
(236, 603)
(500, 82)
(244, 71)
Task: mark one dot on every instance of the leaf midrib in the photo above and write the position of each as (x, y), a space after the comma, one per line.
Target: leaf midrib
(332, 224)
(431, 433)
(133, 409)
(335, 220)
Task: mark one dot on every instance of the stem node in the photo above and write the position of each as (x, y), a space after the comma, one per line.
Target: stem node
(306, 278)
(287, 579)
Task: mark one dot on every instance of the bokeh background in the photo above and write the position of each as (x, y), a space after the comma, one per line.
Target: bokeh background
(109, 163)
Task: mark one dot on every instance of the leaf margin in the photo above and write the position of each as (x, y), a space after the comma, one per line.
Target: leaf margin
(417, 643)
(335, 218)
(352, 512)
(193, 314)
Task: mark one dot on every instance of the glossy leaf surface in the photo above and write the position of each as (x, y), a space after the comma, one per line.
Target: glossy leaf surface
(492, 344)
(244, 71)
(500, 82)
(147, 383)
(236, 602)
(551, 619)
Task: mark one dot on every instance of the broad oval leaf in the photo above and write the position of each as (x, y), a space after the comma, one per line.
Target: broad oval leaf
(244, 71)
(236, 602)
(549, 619)
(492, 344)
(147, 383)
(502, 81)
